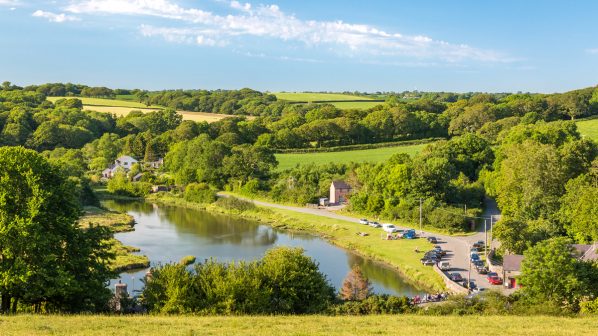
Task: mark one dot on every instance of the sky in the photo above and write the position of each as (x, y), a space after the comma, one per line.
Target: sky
(282, 45)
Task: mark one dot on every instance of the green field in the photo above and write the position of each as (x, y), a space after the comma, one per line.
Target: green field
(29, 325)
(588, 128)
(286, 160)
(306, 96)
(105, 102)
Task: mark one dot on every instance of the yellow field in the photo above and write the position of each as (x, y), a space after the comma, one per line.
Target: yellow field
(28, 325)
(195, 116)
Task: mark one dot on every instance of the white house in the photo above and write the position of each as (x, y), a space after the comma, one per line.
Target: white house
(125, 162)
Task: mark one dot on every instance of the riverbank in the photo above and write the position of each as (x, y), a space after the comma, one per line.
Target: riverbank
(397, 254)
(125, 256)
(33, 325)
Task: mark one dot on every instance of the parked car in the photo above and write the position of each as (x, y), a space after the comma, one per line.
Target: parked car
(474, 250)
(479, 244)
(481, 269)
(363, 221)
(439, 250)
(427, 261)
(433, 240)
(474, 257)
(375, 224)
(433, 255)
(478, 263)
(469, 284)
(493, 278)
(409, 234)
(444, 266)
(456, 277)
(390, 228)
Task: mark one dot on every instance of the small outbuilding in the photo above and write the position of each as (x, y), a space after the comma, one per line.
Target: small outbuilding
(511, 269)
(339, 191)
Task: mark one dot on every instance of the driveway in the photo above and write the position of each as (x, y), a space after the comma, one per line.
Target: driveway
(458, 248)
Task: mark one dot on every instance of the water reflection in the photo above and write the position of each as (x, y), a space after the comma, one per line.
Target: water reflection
(167, 233)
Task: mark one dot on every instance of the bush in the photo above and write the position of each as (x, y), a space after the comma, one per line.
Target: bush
(233, 203)
(199, 193)
(375, 304)
(187, 260)
(285, 281)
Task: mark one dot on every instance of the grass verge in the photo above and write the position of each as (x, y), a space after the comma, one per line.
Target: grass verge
(295, 325)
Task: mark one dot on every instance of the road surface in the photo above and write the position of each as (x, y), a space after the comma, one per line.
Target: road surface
(458, 248)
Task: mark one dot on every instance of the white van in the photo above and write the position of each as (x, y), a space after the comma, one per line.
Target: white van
(444, 266)
(390, 228)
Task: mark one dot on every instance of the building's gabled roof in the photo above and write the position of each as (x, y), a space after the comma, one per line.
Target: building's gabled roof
(338, 184)
(512, 262)
(126, 158)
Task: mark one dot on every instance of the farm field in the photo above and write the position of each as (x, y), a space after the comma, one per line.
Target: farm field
(306, 96)
(588, 128)
(294, 325)
(121, 109)
(105, 102)
(290, 160)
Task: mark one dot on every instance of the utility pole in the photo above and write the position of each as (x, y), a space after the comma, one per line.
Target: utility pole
(420, 216)
(491, 226)
(486, 234)
(469, 274)
(465, 205)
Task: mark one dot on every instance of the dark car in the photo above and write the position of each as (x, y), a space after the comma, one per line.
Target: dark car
(479, 244)
(433, 255)
(469, 284)
(478, 263)
(481, 269)
(433, 240)
(427, 261)
(456, 277)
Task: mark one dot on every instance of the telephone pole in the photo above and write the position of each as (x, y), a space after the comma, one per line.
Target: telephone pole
(420, 216)
(486, 234)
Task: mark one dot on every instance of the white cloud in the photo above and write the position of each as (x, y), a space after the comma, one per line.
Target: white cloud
(9, 2)
(268, 21)
(53, 17)
(593, 51)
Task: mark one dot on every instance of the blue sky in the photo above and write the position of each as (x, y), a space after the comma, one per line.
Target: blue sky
(279, 45)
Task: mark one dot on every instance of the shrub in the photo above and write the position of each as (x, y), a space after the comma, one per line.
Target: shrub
(375, 304)
(233, 203)
(199, 193)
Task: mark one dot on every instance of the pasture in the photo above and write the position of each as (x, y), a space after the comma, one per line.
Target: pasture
(406, 324)
(309, 97)
(364, 105)
(588, 128)
(290, 160)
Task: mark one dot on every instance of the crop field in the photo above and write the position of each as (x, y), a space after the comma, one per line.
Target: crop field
(407, 324)
(290, 160)
(588, 128)
(106, 102)
(306, 96)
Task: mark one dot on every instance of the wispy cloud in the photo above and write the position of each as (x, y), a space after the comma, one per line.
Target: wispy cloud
(9, 2)
(593, 51)
(269, 21)
(53, 17)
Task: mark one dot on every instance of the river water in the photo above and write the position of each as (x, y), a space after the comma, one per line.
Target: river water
(168, 233)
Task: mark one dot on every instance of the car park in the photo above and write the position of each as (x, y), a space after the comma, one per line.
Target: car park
(363, 221)
(433, 255)
(481, 269)
(456, 277)
(433, 240)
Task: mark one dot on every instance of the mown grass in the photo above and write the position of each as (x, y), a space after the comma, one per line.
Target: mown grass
(290, 160)
(306, 96)
(21, 325)
(106, 102)
(588, 128)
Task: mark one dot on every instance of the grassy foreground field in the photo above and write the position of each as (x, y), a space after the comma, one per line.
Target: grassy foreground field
(296, 325)
(307, 96)
(588, 128)
(290, 160)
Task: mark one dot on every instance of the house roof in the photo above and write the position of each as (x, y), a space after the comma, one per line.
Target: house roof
(512, 262)
(338, 184)
(126, 158)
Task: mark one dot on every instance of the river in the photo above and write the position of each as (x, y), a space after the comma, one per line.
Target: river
(168, 233)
